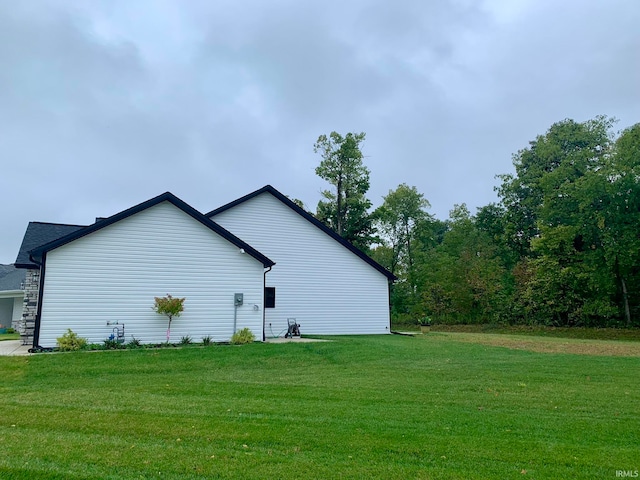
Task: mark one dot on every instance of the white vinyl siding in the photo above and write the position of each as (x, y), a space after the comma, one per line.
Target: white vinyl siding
(325, 286)
(113, 274)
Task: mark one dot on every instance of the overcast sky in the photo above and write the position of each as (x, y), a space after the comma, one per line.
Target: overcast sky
(105, 104)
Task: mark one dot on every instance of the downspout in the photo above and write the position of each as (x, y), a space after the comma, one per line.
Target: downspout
(264, 315)
(389, 286)
(36, 326)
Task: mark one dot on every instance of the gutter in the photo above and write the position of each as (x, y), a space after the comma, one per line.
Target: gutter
(11, 293)
(264, 310)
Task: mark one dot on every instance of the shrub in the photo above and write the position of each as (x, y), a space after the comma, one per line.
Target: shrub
(206, 340)
(134, 343)
(112, 344)
(186, 340)
(70, 342)
(243, 336)
(11, 330)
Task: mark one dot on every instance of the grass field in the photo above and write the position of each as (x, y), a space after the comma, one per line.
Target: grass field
(9, 336)
(534, 330)
(438, 406)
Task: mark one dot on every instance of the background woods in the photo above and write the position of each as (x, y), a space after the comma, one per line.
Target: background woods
(560, 247)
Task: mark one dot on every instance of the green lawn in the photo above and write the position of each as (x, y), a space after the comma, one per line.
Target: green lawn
(9, 336)
(386, 407)
(535, 330)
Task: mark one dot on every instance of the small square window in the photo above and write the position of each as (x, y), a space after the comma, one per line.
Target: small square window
(269, 297)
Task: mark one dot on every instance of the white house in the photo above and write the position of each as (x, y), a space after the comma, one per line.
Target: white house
(321, 280)
(99, 279)
(287, 266)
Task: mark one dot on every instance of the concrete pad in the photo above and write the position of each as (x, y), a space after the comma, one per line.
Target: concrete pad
(294, 340)
(13, 347)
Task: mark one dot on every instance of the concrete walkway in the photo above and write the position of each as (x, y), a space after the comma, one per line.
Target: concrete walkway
(13, 347)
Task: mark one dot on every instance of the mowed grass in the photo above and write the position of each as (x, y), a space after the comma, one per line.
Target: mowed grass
(428, 407)
(9, 336)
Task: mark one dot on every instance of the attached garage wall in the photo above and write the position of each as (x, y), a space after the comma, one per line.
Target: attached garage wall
(325, 286)
(113, 275)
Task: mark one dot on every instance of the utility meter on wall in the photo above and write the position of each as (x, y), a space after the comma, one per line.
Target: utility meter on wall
(238, 299)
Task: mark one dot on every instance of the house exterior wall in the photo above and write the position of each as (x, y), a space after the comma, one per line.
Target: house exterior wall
(10, 308)
(318, 281)
(17, 310)
(6, 312)
(113, 274)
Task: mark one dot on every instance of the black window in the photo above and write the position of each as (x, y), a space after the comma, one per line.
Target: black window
(269, 297)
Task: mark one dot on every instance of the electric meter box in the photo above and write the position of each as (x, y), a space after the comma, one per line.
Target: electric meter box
(238, 299)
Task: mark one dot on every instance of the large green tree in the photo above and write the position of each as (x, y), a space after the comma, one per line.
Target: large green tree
(618, 218)
(345, 206)
(398, 220)
(566, 152)
(572, 284)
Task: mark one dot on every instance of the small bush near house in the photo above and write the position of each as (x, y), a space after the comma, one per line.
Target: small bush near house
(186, 340)
(243, 336)
(70, 342)
(11, 330)
(206, 340)
(112, 344)
(134, 343)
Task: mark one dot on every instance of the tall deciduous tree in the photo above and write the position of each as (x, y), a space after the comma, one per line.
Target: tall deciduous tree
(620, 218)
(397, 219)
(566, 152)
(345, 207)
(570, 273)
(402, 210)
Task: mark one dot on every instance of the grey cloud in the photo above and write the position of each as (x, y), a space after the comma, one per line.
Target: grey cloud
(105, 104)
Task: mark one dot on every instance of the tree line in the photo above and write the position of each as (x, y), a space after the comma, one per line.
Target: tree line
(561, 246)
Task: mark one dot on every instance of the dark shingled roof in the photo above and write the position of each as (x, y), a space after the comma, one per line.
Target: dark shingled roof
(11, 278)
(37, 234)
(307, 216)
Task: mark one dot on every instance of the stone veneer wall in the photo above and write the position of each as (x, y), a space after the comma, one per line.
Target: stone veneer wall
(27, 324)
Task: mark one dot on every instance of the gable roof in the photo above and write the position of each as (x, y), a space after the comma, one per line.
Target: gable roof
(307, 216)
(37, 252)
(40, 233)
(11, 278)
